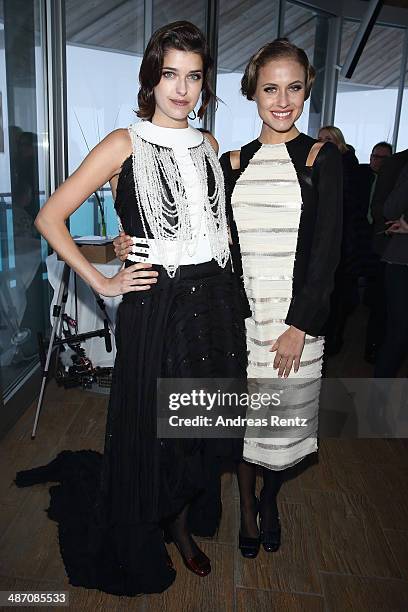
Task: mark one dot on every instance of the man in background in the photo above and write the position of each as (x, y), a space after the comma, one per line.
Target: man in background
(394, 349)
(369, 263)
(387, 180)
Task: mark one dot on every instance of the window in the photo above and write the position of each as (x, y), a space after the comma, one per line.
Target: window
(402, 142)
(24, 302)
(244, 26)
(366, 103)
(104, 51)
(308, 29)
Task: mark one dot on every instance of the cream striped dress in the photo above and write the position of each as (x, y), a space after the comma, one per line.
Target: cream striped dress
(267, 203)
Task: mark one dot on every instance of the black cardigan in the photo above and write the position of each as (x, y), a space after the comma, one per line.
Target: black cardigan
(320, 228)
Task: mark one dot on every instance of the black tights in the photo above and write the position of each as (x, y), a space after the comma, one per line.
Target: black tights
(180, 534)
(272, 481)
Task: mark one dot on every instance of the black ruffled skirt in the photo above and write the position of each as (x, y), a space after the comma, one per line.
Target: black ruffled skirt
(111, 509)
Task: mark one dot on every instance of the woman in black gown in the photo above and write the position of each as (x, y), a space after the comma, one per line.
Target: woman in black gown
(180, 317)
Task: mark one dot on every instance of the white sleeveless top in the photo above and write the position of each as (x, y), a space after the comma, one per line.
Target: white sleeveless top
(180, 140)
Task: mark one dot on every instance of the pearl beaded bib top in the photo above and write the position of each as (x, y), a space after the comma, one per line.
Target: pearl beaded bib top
(170, 177)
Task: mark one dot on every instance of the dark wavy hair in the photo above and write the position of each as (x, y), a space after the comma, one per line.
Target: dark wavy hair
(277, 49)
(181, 35)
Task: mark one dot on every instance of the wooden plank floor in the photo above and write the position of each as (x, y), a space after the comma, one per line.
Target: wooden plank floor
(344, 519)
(345, 527)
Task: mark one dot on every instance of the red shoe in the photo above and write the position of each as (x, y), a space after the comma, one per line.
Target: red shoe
(199, 564)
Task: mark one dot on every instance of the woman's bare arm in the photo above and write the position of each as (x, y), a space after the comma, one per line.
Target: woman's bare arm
(213, 141)
(102, 163)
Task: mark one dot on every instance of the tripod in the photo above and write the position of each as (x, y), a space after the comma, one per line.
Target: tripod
(58, 313)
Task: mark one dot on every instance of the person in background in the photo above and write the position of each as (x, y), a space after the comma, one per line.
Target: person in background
(345, 295)
(369, 265)
(368, 174)
(394, 348)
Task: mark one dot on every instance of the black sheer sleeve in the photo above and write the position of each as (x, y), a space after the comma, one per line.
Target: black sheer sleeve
(230, 178)
(309, 308)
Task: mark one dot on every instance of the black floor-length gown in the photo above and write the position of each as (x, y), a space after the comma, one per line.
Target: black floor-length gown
(111, 508)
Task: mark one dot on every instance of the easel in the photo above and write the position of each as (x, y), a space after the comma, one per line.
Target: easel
(58, 313)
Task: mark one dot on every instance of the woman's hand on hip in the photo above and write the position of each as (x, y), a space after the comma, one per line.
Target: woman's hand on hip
(397, 227)
(122, 245)
(289, 349)
(138, 277)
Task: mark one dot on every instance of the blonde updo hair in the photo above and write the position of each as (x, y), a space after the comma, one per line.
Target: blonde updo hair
(337, 136)
(280, 48)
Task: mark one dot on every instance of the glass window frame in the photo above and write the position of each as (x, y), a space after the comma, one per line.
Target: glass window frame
(402, 79)
(18, 395)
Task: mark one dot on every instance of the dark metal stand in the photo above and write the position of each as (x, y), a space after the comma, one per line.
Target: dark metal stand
(58, 313)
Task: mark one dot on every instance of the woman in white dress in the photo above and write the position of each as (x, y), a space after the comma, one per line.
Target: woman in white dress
(285, 192)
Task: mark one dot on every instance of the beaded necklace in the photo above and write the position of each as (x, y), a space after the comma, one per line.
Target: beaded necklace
(168, 218)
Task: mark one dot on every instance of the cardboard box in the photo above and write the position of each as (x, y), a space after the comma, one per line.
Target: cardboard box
(97, 253)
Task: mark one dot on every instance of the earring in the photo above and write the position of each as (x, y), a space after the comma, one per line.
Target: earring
(192, 118)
